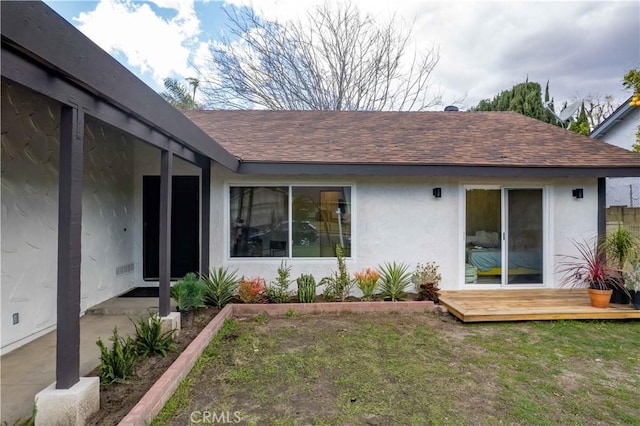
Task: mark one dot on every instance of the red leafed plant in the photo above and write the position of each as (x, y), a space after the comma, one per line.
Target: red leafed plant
(589, 268)
(252, 290)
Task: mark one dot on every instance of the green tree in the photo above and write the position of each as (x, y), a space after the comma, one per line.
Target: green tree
(178, 95)
(631, 81)
(524, 98)
(581, 124)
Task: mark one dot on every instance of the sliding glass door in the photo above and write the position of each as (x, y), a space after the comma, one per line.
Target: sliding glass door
(504, 226)
(524, 235)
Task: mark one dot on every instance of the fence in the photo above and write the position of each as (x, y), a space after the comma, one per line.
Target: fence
(627, 217)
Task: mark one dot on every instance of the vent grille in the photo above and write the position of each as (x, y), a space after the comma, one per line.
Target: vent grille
(124, 269)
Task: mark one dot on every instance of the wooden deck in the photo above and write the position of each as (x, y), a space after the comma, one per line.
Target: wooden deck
(524, 305)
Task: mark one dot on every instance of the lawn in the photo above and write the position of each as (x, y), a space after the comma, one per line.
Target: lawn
(413, 369)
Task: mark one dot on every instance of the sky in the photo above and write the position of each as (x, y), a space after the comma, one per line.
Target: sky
(582, 47)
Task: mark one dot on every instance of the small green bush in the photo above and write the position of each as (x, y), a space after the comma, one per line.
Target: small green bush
(117, 363)
(278, 292)
(221, 284)
(394, 280)
(338, 285)
(306, 288)
(150, 339)
(189, 292)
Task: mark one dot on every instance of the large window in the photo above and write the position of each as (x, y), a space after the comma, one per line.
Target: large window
(296, 221)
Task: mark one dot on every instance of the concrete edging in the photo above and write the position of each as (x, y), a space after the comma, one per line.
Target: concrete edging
(152, 402)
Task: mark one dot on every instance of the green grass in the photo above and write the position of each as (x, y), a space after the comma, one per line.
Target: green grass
(415, 369)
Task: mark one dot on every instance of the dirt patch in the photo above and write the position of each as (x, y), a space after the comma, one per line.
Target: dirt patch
(117, 399)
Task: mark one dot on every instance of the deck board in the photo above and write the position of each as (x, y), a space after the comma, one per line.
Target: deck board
(533, 304)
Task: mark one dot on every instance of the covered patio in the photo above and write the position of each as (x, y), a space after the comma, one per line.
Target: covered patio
(529, 305)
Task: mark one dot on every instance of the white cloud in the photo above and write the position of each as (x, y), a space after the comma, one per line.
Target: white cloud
(157, 46)
(583, 47)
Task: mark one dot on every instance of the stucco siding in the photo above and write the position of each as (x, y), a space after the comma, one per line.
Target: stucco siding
(30, 170)
(398, 219)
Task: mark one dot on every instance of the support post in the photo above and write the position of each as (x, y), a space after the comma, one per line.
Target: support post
(69, 247)
(166, 166)
(602, 207)
(205, 217)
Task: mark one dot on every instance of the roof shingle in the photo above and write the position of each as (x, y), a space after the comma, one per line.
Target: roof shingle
(504, 139)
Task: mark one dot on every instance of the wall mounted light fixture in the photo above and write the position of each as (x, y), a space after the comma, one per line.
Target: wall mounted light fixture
(578, 193)
(437, 192)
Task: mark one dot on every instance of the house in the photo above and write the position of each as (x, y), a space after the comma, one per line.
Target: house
(106, 187)
(620, 129)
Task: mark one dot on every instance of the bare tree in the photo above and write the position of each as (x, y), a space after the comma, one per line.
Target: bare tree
(336, 59)
(597, 107)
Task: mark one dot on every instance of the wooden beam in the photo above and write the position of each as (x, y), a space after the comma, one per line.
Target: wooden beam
(38, 32)
(205, 217)
(19, 70)
(166, 172)
(69, 247)
(602, 207)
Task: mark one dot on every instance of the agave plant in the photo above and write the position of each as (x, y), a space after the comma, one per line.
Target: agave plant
(221, 285)
(394, 280)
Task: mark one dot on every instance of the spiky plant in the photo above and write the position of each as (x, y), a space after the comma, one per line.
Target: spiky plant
(394, 280)
(221, 284)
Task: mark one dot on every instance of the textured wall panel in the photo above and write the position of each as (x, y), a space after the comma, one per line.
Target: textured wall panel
(29, 181)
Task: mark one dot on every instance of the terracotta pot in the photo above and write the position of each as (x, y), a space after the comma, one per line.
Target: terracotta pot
(600, 298)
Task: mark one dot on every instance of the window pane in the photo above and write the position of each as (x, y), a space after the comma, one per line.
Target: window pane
(259, 221)
(483, 230)
(321, 220)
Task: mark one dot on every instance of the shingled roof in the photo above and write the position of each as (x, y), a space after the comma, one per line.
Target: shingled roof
(434, 139)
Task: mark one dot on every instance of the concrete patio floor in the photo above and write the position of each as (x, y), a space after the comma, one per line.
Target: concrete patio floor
(27, 370)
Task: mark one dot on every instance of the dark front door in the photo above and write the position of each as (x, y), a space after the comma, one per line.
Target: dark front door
(185, 225)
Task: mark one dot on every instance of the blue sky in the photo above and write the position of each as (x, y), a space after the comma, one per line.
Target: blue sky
(583, 47)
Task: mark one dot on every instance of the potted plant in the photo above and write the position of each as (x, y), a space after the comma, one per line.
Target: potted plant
(632, 282)
(590, 269)
(189, 294)
(620, 246)
(426, 279)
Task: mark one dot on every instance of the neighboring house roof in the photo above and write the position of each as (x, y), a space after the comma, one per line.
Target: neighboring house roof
(612, 120)
(456, 143)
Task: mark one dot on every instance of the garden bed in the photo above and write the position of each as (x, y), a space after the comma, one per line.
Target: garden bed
(117, 399)
(158, 393)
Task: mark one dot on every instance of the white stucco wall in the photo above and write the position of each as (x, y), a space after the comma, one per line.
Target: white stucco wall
(398, 219)
(624, 191)
(30, 159)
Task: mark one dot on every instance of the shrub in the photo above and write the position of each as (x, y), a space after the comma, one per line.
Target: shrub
(278, 292)
(117, 363)
(150, 339)
(220, 286)
(337, 285)
(306, 289)
(252, 290)
(189, 292)
(367, 282)
(394, 280)
(426, 279)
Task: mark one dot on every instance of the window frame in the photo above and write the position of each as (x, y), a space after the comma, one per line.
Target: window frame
(289, 257)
